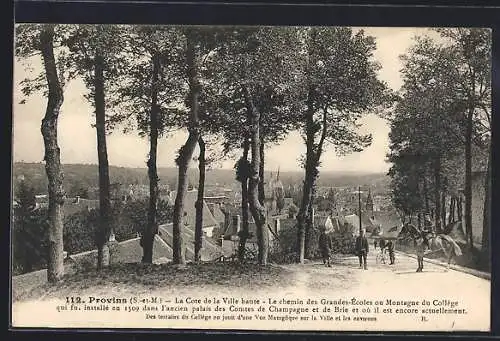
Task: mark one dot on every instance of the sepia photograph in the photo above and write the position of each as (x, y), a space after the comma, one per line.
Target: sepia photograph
(275, 178)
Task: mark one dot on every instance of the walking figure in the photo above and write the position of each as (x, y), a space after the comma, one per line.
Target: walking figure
(382, 245)
(423, 243)
(390, 248)
(362, 249)
(325, 246)
(421, 247)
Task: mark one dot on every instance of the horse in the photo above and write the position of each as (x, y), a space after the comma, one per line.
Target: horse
(429, 242)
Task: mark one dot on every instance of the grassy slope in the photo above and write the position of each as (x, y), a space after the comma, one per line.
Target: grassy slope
(137, 278)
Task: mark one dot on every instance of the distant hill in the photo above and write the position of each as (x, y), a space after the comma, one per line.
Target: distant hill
(339, 179)
(86, 175)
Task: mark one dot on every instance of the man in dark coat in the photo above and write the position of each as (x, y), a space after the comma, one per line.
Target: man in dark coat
(421, 245)
(362, 249)
(390, 248)
(382, 245)
(325, 246)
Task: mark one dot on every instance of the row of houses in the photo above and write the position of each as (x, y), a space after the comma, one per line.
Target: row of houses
(71, 205)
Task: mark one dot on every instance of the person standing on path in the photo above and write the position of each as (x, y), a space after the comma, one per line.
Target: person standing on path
(325, 246)
(390, 248)
(382, 245)
(421, 247)
(422, 242)
(362, 249)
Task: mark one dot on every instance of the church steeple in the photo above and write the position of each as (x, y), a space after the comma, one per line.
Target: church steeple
(369, 202)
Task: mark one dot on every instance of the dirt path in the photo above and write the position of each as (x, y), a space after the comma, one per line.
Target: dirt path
(343, 281)
(346, 276)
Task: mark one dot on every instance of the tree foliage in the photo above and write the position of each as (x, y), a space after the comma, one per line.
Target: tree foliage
(342, 85)
(442, 114)
(27, 52)
(131, 99)
(29, 231)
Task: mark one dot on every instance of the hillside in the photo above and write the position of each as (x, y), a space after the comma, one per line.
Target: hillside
(340, 179)
(86, 175)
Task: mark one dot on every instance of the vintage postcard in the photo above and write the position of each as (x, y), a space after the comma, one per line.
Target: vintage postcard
(251, 178)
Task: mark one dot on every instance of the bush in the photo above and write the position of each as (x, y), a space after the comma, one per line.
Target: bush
(292, 211)
(127, 220)
(284, 249)
(29, 241)
(132, 217)
(81, 228)
(343, 243)
(80, 231)
(29, 232)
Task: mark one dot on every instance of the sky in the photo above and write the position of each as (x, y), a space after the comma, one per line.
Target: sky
(78, 142)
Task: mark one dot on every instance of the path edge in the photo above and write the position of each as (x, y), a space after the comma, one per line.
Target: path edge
(477, 273)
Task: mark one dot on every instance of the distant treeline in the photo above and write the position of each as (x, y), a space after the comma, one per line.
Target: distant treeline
(85, 176)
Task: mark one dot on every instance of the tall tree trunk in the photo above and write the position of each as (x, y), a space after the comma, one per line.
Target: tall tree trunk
(437, 194)
(244, 206)
(460, 209)
(303, 216)
(55, 266)
(455, 214)
(102, 155)
(257, 209)
(186, 151)
(309, 242)
(313, 155)
(451, 215)
(443, 211)
(198, 230)
(261, 187)
(468, 179)
(487, 210)
(152, 226)
(426, 196)
(308, 184)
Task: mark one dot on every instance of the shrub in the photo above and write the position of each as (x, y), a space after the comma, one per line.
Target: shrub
(132, 217)
(29, 241)
(80, 231)
(292, 211)
(284, 248)
(127, 220)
